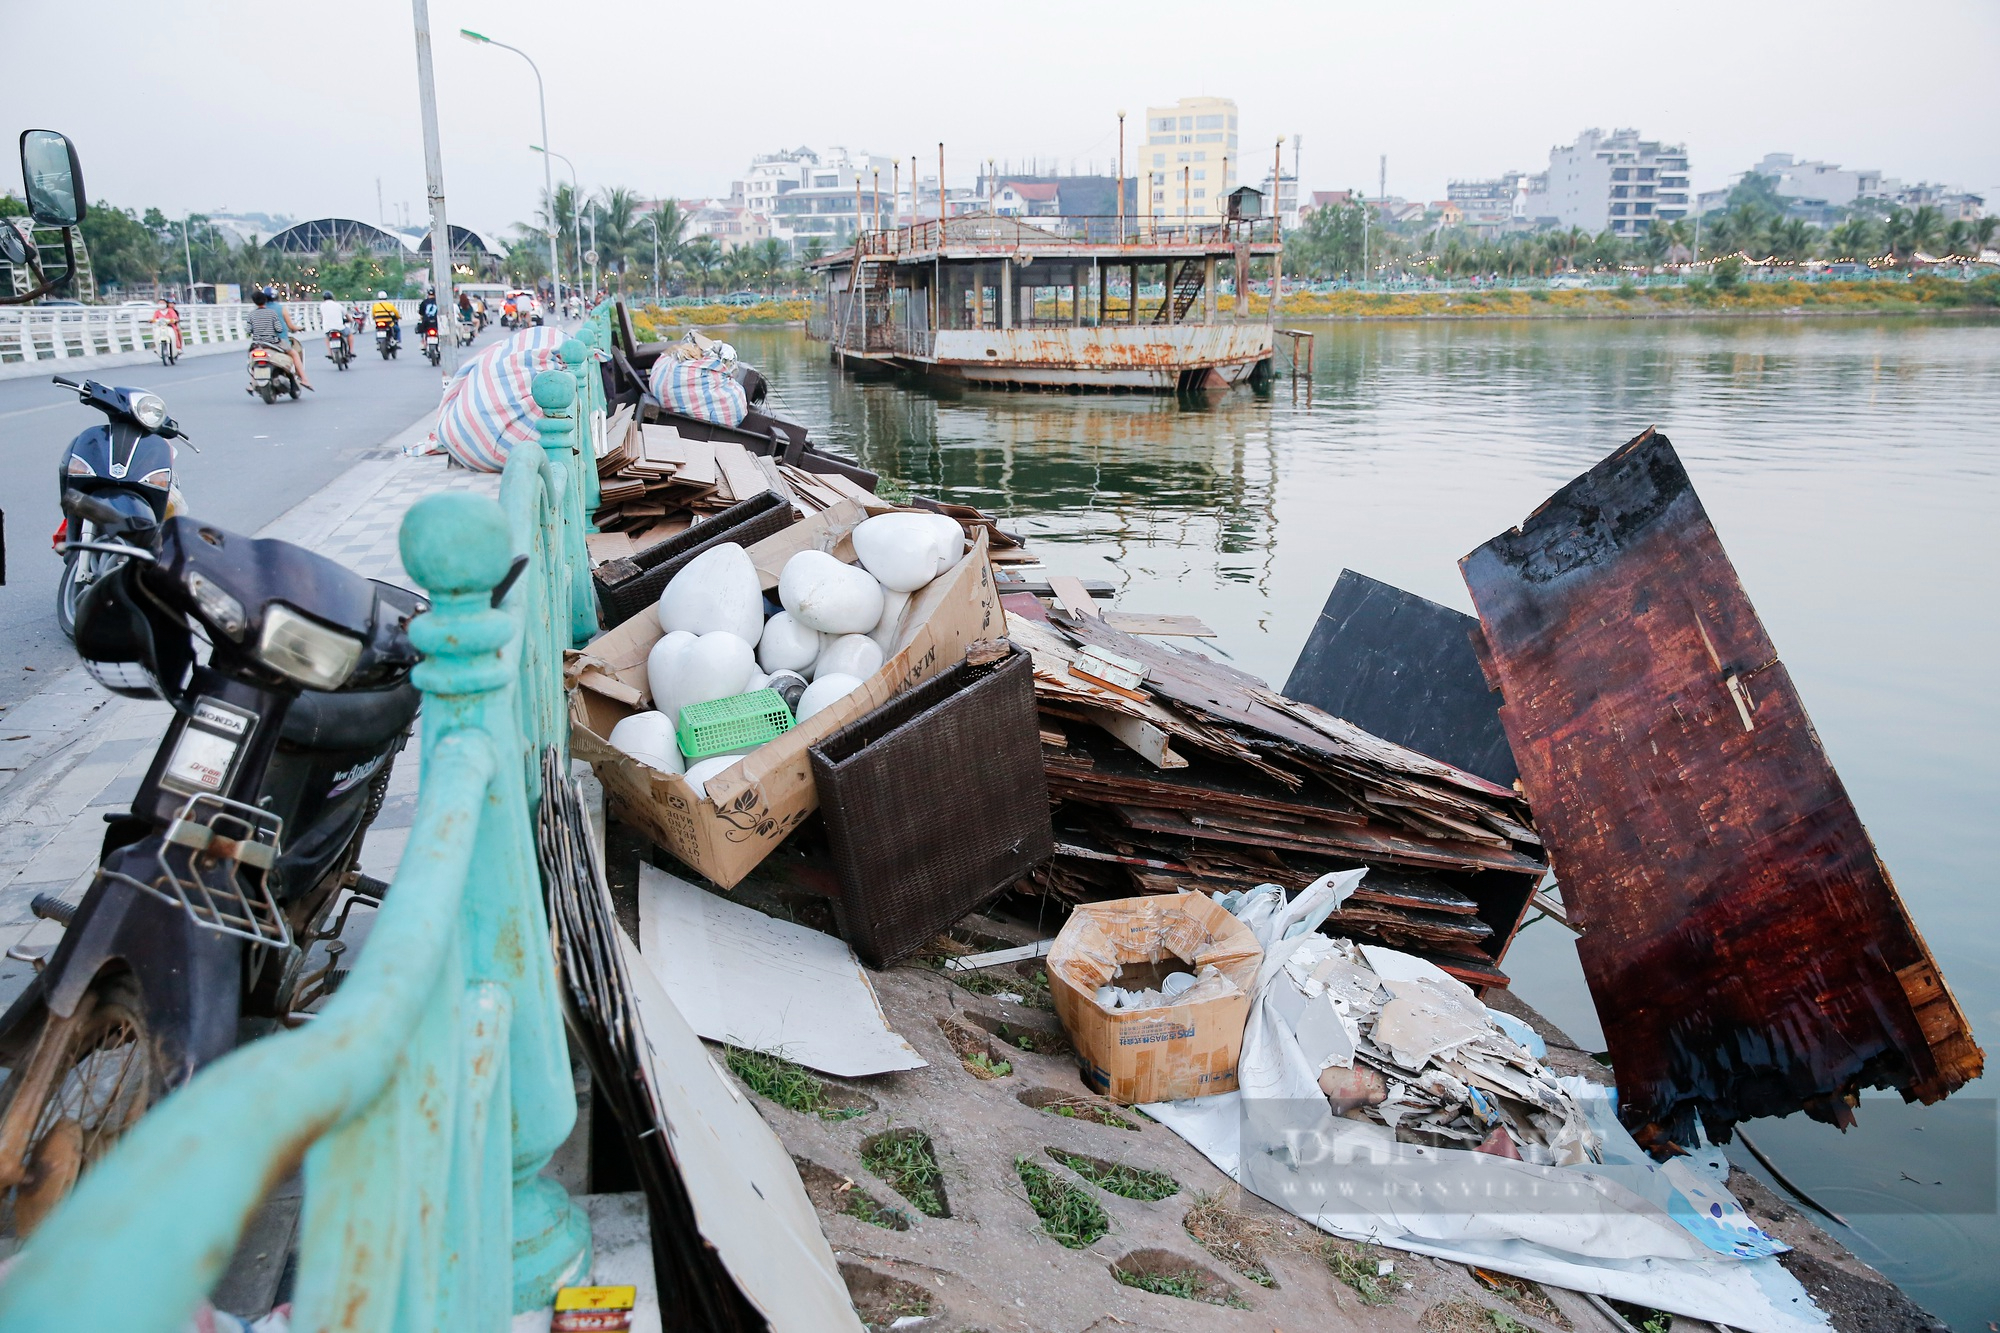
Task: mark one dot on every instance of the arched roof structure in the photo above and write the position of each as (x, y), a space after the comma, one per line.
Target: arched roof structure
(345, 235)
(464, 242)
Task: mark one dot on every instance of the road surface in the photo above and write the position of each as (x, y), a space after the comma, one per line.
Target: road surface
(256, 461)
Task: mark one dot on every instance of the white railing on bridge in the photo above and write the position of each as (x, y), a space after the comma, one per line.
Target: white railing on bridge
(63, 332)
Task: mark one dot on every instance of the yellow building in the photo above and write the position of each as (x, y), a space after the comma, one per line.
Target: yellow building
(1188, 164)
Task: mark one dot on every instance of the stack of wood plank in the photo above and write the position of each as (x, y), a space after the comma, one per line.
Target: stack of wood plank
(1204, 777)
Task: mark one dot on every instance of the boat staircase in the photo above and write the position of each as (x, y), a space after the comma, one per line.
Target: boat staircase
(1181, 295)
(865, 322)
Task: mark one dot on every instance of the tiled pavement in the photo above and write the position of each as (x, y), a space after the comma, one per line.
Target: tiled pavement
(74, 752)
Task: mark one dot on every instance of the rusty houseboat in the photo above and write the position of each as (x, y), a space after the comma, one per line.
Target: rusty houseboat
(1052, 302)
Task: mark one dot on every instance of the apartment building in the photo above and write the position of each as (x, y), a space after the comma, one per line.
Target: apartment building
(1489, 207)
(1617, 182)
(1188, 164)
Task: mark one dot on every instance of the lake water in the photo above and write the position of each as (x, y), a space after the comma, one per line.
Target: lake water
(1852, 468)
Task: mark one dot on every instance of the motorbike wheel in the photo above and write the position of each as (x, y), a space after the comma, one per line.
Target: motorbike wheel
(294, 391)
(97, 1079)
(69, 592)
(267, 393)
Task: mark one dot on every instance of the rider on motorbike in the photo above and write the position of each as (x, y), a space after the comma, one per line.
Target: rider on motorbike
(427, 312)
(388, 317)
(332, 318)
(268, 328)
(166, 314)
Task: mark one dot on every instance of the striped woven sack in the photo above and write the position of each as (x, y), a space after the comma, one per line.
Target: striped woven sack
(703, 389)
(489, 406)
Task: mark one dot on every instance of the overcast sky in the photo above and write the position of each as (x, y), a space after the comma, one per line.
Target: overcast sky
(168, 108)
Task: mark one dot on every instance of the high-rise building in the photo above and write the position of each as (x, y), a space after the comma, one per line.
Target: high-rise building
(1616, 182)
(1489, 206)
(1188, 163)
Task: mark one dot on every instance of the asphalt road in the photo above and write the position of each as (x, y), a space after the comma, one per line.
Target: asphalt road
(256, 461)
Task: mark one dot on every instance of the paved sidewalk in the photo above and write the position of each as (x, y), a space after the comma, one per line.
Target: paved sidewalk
(74, 752)
(84, 365)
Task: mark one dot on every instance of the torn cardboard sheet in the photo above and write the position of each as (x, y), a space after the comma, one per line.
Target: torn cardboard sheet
(754, 981)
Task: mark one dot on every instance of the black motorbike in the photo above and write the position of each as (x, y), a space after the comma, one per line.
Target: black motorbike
(432, 350)
(386, 341)
(337, 349)
(240, 843)
(128, 464)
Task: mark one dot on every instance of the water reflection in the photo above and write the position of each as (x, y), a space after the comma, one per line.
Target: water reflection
(1852, 467)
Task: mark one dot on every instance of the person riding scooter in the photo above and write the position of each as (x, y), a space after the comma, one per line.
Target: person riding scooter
(167, 319)
(332, 320)
(268, 328)
(427, 312)
(386, 316)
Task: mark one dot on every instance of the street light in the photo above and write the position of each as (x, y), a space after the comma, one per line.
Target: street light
(548, 179)
(575, 204)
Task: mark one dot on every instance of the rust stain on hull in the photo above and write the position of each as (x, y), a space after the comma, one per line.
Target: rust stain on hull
(1744, 943)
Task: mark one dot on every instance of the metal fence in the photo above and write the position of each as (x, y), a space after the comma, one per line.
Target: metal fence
(59, 333)
(426, 1097)
(989, 231)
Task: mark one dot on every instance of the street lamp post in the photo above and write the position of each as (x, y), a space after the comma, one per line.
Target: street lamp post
(187, 249)
(575, 205)
(548, 176)
(447, 309)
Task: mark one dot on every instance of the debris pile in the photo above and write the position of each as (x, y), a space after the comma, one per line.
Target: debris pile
(1413, 1049)
(1186, 771)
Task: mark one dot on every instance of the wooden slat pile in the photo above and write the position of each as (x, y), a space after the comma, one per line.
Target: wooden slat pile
(1205, 777)
(653, 482)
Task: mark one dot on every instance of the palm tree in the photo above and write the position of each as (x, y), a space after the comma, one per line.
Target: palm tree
(669, 232)
(1958, 238)
(1926, 227)
(767, 260)
(1853, 239)
(1791, 239)
(702, 259)
(1980, 232)
(559, 214)
(616, 215)
(814, 248)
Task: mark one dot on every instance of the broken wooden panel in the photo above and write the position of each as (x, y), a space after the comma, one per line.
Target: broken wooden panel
(1744, 944)
(1402, 666)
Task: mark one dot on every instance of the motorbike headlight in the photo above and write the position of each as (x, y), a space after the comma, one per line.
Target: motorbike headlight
(311, 654)
(79, 468)
(159, 478)
(151, 410)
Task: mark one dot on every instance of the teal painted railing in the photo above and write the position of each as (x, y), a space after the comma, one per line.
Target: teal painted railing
(425, 1098)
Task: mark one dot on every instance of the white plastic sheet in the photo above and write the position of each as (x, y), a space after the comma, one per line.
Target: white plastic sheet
(1667, 1236)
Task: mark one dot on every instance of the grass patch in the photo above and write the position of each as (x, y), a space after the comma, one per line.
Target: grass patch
(906, 1159)
(1127, 1182)
(1359, 1267)
(1643, 1319)
(893, 489)
(791, 1086)
(1235, 1238)
(1071, 1218)
(1072, 1107)
(862, 1204)
(1033, 989)
(983, 1065)
(1188, 1285)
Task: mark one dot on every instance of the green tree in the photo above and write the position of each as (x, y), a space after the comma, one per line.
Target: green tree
(1759, 192)
(1856, 238)
(620, 235)
(123, 251)
(1980, 232)
(1791, 239)
(1926, 228)
(814, 249)
(766, 262)
(702, 259)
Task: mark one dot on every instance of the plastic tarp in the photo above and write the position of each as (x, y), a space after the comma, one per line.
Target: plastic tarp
(489, 406)
(1667, 1236)
(704, 388)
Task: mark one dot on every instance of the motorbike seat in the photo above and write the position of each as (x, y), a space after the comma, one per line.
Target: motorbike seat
(350, 719)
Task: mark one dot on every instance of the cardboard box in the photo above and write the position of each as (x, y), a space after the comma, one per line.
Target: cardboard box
(1171, 1051)
(751, 807)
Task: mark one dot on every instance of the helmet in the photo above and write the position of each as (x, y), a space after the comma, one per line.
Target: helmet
(326, 296)
(381, 296)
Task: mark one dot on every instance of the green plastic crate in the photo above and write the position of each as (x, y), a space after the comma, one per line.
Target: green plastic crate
(732, 724)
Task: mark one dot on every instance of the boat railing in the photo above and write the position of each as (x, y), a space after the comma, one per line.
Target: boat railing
(1007, 233)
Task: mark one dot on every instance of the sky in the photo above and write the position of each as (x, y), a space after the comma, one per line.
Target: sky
(167, 111)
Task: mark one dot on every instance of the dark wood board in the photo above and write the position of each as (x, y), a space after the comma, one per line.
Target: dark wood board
(1746, 949)
(1403, 667)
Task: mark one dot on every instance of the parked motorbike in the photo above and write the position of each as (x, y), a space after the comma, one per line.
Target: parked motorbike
(240, 848)
(385, 342)
(271, 374)
(338, 349)
(127, 464)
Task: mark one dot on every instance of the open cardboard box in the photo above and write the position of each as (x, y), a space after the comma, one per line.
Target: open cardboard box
(1171, 1051)
(751, 807)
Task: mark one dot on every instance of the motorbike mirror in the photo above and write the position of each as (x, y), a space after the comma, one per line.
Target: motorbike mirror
(13, 245)
(52, 177)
